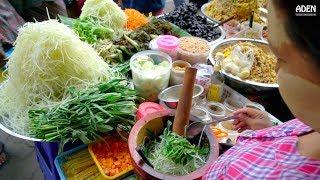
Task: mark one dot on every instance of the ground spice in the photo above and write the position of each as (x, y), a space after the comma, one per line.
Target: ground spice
(194, 45)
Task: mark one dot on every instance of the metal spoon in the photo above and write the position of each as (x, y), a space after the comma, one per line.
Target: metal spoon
(196, 128)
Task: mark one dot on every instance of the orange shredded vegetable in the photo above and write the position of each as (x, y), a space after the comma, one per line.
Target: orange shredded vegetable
(135, 19)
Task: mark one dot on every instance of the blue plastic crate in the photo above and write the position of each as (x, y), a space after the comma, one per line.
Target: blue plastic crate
(46, 153)
(63, 157)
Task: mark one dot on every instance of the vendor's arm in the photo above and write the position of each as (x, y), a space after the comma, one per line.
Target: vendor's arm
(251, 119)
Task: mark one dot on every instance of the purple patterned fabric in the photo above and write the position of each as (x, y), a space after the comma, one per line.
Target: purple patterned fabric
(267, 154)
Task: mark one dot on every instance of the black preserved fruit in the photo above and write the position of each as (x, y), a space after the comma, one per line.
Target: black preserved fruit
(185, 17)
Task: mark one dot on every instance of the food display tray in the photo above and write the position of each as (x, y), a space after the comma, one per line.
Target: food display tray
(63, 158)
(117, 176)
(229, 92)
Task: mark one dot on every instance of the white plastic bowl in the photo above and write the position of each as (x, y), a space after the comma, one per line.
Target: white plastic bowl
(150, 85)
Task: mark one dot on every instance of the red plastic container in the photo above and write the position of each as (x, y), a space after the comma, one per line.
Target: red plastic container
(148, 108)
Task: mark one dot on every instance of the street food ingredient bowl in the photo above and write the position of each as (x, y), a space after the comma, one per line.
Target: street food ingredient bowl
(150, 73)
(254, 105)
(193, 50)
(156, 123)
(216, 110)
(233, 104)
(178, 71)
(228, 127)
(170, 96)
(235, 80)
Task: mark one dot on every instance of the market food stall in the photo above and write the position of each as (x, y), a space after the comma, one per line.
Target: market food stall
(85, 84)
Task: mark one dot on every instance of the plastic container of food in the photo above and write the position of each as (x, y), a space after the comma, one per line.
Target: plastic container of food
(254, 105)
(193, 50)
(200, 113)
(252, 33)
(232, 104)
(216, 110)
(232, 27)
(177, 72)
(150, 73)
(147, 108)
(65, 156)
(109, 143)
(168, 44)
(228, 127)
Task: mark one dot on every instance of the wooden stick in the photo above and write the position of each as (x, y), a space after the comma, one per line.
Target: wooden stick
(182, 115)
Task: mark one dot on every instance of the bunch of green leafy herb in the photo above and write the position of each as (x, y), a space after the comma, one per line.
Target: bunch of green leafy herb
(87, 113)
(174, 154)
(90, 30)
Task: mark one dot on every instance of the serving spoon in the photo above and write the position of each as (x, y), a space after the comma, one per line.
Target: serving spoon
(197, 127)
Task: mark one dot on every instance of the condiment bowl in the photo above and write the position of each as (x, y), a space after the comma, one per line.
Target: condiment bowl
(216, 110)
(233, 104)
(176, 76)
(255, 106)
(170, 96)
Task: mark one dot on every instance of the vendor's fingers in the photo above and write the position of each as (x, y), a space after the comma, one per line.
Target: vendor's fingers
(250, 112)
(241, 111)
(242, 129)
(239, 125)
(239, 119)
(236, 121)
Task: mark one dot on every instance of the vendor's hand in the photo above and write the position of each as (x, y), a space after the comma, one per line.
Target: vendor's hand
(248, 118)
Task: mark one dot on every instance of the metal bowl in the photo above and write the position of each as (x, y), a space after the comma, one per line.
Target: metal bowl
(203, 7)
(234, 79)
(9, 130)
(170, 96)
(263, 12)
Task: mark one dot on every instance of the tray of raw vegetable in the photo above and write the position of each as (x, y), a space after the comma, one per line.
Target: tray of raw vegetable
(77, 164)
(111, 156)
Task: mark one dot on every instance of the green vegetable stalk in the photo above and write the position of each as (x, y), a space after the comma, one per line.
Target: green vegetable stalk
(87, 113)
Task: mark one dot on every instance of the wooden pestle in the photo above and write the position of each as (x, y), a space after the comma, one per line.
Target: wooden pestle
(181, 119)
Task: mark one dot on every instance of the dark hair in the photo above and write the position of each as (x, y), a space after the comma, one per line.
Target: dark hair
(303, 30)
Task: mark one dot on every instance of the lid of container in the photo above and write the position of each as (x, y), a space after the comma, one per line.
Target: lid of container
(147, 108)
(167, 41)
